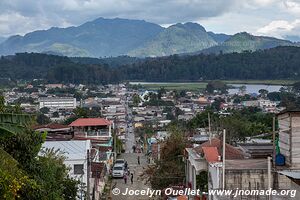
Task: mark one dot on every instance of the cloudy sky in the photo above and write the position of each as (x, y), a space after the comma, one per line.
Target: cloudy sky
(279, 18)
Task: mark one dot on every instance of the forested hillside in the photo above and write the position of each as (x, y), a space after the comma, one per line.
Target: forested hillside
(276, 63)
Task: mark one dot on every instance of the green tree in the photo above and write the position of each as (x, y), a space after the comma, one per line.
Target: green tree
(44, 110)
(55, 114)
(42, 119)
(136, 99)
(263, 93)
(217, 86)
(170, 169)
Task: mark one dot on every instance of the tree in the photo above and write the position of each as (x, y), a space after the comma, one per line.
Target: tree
(44, 110)
(218, 86)
(274, 96)
(263, 93)
(170, 169)
(42, 119)
(161, 92)
(12, 178)
(55, 114)
(296, 87)
(136, 99)
(11, 124)
(216, 105)
(24, 173)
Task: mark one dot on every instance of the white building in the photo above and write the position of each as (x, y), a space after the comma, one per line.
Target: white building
(263, 103)
(76, 152)
(57, 102)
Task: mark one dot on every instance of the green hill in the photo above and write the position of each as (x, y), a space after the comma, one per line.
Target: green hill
(176, 39)
(98, 38)
(245, 42)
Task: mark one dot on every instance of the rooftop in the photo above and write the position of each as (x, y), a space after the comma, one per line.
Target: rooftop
(211, 154)
(51, 126)
(74, 149)
(231, 152)
(90, 122)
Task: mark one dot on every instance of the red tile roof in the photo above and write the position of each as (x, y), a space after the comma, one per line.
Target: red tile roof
(211, 154)
(231, 153)
(90, 122)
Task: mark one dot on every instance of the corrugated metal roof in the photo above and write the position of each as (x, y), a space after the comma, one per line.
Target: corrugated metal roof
(73, 149)
(291, 174)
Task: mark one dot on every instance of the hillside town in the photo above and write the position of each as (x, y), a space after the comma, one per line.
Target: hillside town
(114, 136)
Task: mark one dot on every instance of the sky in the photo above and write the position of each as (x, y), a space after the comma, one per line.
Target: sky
(278, 18)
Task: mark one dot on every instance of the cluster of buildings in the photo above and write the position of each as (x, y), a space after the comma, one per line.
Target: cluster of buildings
(89, 142)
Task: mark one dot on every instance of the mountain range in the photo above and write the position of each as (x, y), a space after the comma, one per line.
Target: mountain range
(137, 38)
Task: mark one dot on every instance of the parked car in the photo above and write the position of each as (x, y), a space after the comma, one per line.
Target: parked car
(120, 162)
(118, 171)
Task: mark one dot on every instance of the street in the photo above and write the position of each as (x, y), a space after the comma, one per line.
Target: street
(134, 167)
(137, 170)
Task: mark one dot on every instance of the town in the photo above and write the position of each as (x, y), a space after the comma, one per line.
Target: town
(127, 136)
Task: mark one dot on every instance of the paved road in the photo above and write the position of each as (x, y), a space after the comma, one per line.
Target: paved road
(138, 183)
(134, 167)
(130, 139)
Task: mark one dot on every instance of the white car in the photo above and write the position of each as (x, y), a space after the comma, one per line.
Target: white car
(118, 171)
(120, 162)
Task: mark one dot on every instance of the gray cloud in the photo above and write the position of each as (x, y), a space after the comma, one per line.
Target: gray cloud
(19, 16)
(22, 16)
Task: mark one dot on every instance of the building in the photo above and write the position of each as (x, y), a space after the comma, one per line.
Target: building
(57, 102)
(288, 152)
(83, 162)
(99, 131)
(76, 153)
(92, 128)
(196, 160)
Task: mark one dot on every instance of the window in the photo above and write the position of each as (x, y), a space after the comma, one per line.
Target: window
(78, 169)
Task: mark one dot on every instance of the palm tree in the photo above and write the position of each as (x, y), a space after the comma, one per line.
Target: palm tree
(11, 123)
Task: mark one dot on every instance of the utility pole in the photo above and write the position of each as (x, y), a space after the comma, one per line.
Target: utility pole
(209, 129)
(158, 151)
(115, 138)
(223, 166)
(274, 139)
(88, 175)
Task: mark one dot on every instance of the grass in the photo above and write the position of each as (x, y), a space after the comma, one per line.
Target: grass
(176, 86)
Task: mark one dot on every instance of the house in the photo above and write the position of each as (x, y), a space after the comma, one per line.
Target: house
(253, 103)
(196, 159)
(76, 153)
(57, 102)
(92, 128)
(99, 131)
(53, 86)
(287, 160)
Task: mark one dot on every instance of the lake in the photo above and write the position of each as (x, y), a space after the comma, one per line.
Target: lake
(254, 88)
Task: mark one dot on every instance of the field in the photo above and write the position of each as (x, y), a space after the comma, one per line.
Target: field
(175, 86)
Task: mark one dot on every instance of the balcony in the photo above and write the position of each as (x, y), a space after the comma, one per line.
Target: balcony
(93, 133)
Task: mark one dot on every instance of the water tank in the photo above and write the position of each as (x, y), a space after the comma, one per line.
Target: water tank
(280, 160)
